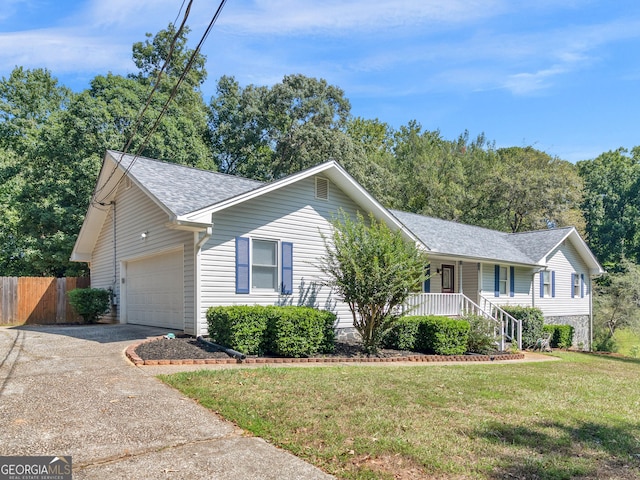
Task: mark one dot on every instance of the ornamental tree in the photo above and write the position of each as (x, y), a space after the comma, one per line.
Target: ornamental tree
(373, 270)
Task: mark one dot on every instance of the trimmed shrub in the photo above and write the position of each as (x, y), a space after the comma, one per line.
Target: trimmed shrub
(402, 335)
(561, 335)
(481, 335)
(239, 327)
(299, 331)
(429, 334)
(90, 303)
(532, 321)
(442, 335)
(283, 331)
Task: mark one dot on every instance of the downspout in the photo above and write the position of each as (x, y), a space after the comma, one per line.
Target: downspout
(200, 238)
(533, 285)
(590, 313)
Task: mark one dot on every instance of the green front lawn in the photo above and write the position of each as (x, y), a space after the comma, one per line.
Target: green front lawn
(574, 418)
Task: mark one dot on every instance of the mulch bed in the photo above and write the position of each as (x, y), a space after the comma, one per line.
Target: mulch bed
(188, 348)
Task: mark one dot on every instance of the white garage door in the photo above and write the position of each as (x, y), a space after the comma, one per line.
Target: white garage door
(154, 288)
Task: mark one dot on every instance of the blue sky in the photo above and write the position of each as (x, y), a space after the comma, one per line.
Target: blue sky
(561, 75)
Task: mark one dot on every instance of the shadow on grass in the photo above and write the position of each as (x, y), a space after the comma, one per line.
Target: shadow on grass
(555, 450)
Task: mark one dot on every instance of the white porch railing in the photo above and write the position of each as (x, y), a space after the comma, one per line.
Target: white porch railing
(512, 326)
(457, 304)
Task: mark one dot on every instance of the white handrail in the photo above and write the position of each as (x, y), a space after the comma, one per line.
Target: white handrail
(512, 325)
(458, 304)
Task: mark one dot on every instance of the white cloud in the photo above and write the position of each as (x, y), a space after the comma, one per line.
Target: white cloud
(61, 51)
(284, 17)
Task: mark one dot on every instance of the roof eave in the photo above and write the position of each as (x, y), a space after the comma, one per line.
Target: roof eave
(438, 254)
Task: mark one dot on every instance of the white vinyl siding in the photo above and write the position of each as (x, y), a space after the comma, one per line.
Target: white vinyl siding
(292, 214)
(565, 261)
(137, 213)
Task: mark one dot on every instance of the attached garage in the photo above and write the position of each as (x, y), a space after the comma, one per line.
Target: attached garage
(154, 289)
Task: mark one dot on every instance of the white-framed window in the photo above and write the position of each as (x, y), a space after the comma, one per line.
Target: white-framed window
(546, 283)
(576, 285)
(264, 264)
(503, 280)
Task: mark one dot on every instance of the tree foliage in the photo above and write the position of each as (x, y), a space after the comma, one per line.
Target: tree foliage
(617, 303)
(268, 133)
(52, 143)
(373, 270)
(611, 205)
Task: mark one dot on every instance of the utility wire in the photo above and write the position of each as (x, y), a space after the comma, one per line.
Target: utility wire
(140, 116)
(172, 95)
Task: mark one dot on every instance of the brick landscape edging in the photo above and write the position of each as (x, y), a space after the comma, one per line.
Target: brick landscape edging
(130, 352)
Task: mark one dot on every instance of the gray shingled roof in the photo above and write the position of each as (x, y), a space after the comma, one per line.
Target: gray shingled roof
(538, 243)
(184, 189)
(452, 238)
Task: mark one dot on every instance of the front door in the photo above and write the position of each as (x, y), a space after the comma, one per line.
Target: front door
(448, 285)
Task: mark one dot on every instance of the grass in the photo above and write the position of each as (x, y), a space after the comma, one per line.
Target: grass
(576, 418)
(626, 340)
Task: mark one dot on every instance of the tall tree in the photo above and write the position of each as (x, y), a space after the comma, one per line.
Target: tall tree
(617, 304)
(57, 171)
(27, 99)
(611, 205)
(531, 190)
(268, 133)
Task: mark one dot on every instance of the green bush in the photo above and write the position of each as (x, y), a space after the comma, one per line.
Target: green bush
(90, 303)
(429, 334)
(283, 331)
(402, 335)
(532, 322)
(442, 335)
(561, 335)
(481, 335)
(239, 327)
(299, 331)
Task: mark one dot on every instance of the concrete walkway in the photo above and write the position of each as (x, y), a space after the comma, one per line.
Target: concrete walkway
(68, 390)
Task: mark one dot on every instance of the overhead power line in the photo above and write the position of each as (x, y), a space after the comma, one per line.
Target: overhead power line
(171, 97)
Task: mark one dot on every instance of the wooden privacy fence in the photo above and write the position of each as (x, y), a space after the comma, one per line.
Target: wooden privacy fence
(38, 299)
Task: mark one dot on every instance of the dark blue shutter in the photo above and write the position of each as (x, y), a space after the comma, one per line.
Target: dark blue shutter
(242, 265)
(542, 284)
(573, 283)
(287, 268)
(496, 280)
(553, 284)
(427, 281)
(512, 281)
(582, 285)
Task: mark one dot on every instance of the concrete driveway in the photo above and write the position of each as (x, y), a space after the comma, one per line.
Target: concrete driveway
(68, 390)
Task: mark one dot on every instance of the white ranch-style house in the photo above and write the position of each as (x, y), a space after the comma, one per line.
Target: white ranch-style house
(172, 241)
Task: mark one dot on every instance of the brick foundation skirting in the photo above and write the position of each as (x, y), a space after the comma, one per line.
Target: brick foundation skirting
(130, 352)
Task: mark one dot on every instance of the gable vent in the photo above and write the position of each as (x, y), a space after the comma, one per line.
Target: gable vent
(322, 188)
(127, 183)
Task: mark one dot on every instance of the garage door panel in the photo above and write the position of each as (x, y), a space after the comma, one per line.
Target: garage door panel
(155, 289)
